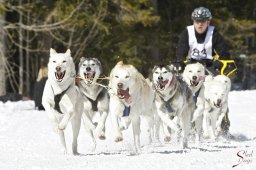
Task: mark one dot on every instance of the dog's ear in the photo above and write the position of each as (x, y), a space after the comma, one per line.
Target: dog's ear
(52, 51)
(171, 67)
(81, 61)
(208, 78)
(99, 63)
(68, 52)
(120, 63)
(155, 67)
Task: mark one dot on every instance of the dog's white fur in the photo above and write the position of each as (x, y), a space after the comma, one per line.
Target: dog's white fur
(93, 94)
(169, 87)
(61, 72)
(129, 88)
(216, 105)
(194, 75)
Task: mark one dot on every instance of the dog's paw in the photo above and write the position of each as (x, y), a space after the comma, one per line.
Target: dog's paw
(119, 139)
(102, 137)
(92, 147)
(64, 151)
(57, 130)
(167, 138)
(218, 129)
(193, 120)
(98, 130)
(62, 126)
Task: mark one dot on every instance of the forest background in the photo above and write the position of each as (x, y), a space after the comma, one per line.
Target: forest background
(139, 32)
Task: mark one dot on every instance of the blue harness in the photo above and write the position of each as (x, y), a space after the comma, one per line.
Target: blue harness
(126, 111)
(168, 104)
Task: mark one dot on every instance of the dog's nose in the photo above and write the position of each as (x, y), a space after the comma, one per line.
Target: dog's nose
(160, 78)
(88, 68)
(120, 85)
(194, 77)
(58, 68)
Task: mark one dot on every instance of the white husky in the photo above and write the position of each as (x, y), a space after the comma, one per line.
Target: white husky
(216, 105)
(131, 96)
(61, 98)
(194, 75)
(95, 97)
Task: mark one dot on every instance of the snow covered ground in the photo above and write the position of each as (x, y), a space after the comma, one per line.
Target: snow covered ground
(28, 143)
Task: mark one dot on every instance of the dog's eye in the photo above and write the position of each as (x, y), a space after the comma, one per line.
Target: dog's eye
(190, 71)
(54, 61)
(157, 72)
(84, 64)
(116, 76)
(93, 64)
(198, 71)
(165, 72)
(64, 61)
(127, 77)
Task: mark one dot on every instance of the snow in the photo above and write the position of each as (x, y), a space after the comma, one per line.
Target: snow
(27, 142)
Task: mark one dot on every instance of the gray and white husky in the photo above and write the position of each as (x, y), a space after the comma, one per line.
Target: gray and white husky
(174, 101)
(95, 97)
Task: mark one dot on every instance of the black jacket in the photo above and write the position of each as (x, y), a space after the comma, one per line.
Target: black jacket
(218, 44)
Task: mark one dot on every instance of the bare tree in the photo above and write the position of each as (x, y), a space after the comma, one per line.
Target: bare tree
(2, 58)
(32, 35)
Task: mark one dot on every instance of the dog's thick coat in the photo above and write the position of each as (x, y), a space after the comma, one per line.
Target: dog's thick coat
(216, 105)
(131, 96)
(61, 98)
(194, 75)
(173, 100)
(95, 97)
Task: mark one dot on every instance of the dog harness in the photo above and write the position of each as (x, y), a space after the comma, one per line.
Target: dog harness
(57, 99)
(95, 102)
(168, 104)
(126, 111)
(196, 95)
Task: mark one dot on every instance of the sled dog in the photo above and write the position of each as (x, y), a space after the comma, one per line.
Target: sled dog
(194, 75)
(216, 105)
(61, 98)
(95, 97)
(174, 100)
(131, 96)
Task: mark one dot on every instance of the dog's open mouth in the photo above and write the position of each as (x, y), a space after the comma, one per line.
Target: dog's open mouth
(218, 105)
(123, 94)
(89, 76)
(161, 84)
(60, 75)
(194, 82)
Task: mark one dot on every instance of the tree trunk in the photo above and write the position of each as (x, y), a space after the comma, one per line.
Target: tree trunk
(2, 57)
(21, 63)
(27, 57)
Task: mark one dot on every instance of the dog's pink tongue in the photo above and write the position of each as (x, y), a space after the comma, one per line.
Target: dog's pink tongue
(127, 96)
(89, 75)
(128, 99)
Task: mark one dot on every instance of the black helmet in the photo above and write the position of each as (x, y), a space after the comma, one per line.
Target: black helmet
(201, 13)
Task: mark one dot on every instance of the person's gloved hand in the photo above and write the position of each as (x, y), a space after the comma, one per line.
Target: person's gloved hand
(217, 65)
(205, 62)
